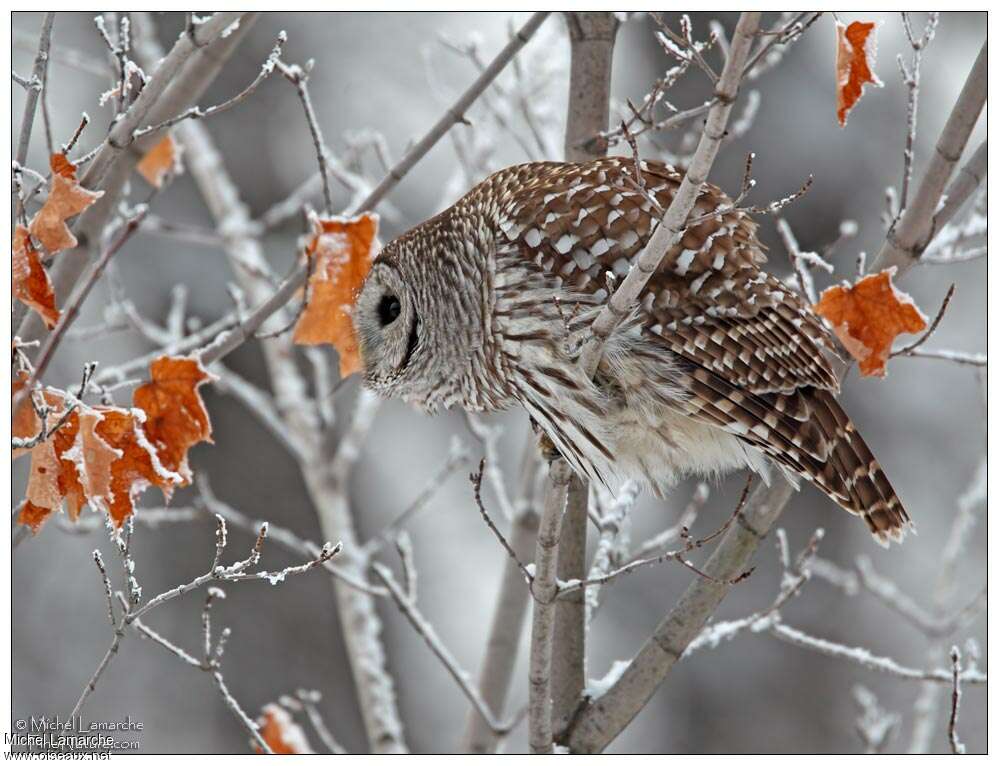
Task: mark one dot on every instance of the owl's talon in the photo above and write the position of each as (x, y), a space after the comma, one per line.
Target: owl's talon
(548, 449)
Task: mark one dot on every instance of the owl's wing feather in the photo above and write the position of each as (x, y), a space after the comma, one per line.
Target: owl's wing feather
(709, 301)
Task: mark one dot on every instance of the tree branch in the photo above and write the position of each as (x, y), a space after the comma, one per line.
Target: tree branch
(917, 226)
(591, 35)
(545, 588)
(31, 100)
(503, 643)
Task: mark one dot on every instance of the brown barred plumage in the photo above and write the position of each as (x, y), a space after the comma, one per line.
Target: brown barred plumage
(488, 303)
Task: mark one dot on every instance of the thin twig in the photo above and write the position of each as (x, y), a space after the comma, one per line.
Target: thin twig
(956, 747)
(908, 350)
(476, 479)
(197, 113)
(426, 631)
(299, 77)
(38, 72)
(959, 357)
(233, 573)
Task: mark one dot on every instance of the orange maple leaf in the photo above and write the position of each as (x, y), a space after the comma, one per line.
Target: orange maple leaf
(868, 315)
(158, 162)
(29, 281)
(136, 467)
(24, 422)
(279, 730)
(342, 251)
(856, 46)
(104, 456)
(66, 199)
(176, 418)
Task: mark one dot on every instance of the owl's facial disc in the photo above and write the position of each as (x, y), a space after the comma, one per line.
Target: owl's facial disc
(387, 326)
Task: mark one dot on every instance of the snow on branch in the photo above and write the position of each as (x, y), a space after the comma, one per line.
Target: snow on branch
(132, 608)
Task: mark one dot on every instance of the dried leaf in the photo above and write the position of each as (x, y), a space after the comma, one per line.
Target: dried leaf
(279, 730)
(61, 166)
(856, 46)
(342, 251)
(106, 456)
(93, 458)
(43, 481)
(160, 161)
(66, 199)
(176, 418)
(52, 479)
(24, 423)
(29, 281)
(867, 317)
(136, 469)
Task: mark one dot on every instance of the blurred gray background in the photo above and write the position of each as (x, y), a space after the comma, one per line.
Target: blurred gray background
(925, 421)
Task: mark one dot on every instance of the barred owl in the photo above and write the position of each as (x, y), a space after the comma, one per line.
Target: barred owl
(720, 367)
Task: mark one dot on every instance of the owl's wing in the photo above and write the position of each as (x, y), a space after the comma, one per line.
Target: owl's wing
(754, 353)
(709, 302)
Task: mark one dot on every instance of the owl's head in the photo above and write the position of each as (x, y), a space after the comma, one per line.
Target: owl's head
(387, 322)
(415, 324)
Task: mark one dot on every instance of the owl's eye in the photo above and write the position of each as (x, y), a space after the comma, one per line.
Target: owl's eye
(388, 310)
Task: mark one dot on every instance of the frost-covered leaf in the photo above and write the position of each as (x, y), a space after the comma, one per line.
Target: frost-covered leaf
(160, 161)
(52, 479)
(868, 315)
(105, 456)
(66, 199)
(279, 730)
(342, 250)
(29, 281)
(176, 418)
(856, 46)
(137, 466)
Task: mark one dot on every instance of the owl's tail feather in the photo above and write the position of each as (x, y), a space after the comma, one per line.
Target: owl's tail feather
(851, 475)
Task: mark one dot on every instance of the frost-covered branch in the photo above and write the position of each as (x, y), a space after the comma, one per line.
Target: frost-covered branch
(197, 113)
(875, 725)
(38, 72)
(917, 224)
(132, 608)
(210, 663)
(910, 77)
(866, 658)
(612, 545)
